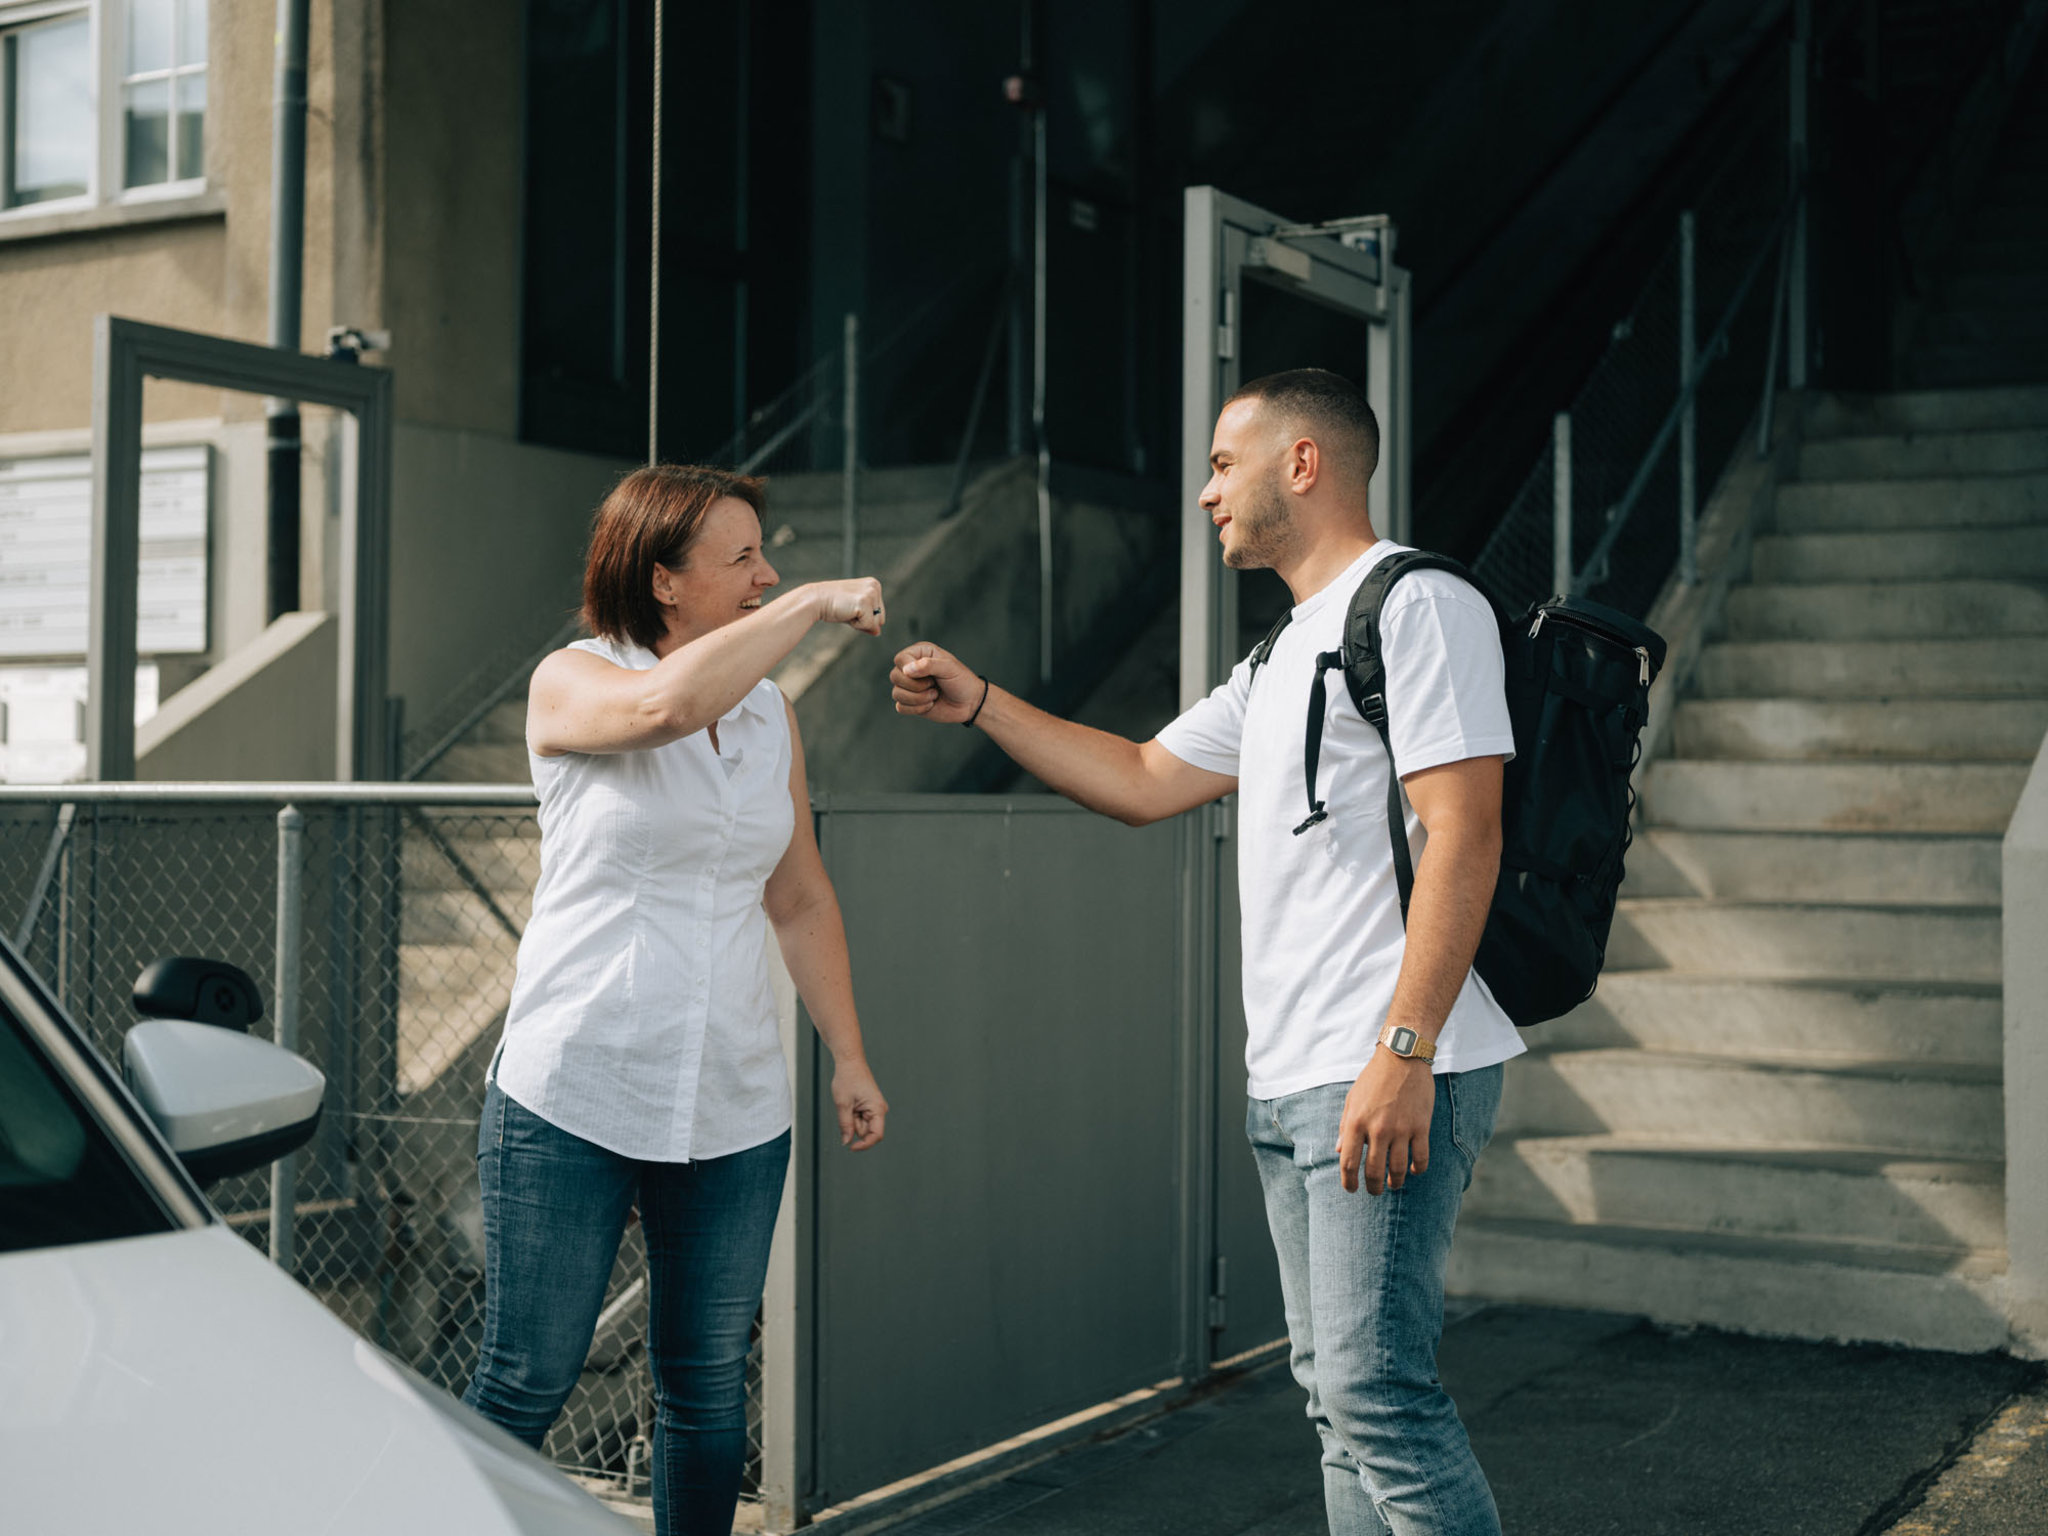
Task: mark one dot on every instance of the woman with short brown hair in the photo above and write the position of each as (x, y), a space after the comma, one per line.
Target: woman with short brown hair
(641, 1062)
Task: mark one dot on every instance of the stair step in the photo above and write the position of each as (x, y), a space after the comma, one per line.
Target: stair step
(449, 994)
(812, 490)
(1874, 869)
(1886, 610)
(1768, 1020)
(505, 724)
(459, 916)
(1876, 669)
(1920, 1109)
(1957, 367)
(1920, 730)
(1781, 1286)
(1972, 501)
(1934, 410)
(487, 762)
(1817, 941)
(1954, 323)
(1951, 1204)
(499, 852)
(824, 558)
(1995, 291)
(2005, 451)
(1903, 556)
(1839, 797)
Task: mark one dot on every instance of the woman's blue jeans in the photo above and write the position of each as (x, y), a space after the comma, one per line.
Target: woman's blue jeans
(555, 1208)
(1362, 1280)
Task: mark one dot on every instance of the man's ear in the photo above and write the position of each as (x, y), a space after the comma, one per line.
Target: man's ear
(1304, 465)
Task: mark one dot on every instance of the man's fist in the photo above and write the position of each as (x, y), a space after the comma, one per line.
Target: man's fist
(933, 683)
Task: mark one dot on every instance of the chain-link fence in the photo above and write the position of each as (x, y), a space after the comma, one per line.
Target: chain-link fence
(1621, 447)
(409, 918)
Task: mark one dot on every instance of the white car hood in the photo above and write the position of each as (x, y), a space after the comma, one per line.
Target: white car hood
(179, 1383)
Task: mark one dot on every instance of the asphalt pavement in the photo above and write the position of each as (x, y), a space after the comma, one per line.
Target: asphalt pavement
(1587, 1424)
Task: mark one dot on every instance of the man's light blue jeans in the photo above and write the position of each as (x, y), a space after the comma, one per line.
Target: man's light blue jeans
(1362, 1279)
(555, 1207)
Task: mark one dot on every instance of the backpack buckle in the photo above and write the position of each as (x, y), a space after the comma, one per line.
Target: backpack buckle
(1374, 709)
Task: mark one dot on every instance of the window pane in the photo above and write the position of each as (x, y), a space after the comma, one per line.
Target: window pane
(149, 35)
(50, 87)
(192, 125)
(191, 31)
(149, 133)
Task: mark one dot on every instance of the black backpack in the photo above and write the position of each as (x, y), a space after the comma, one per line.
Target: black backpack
(1578, 694)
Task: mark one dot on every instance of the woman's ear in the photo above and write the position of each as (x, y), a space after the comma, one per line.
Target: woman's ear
(664, 585)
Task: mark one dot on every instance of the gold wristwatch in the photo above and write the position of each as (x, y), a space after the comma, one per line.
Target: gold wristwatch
(1405, 1043)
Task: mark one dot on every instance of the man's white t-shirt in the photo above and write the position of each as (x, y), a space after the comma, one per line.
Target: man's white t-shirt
(1323, 935)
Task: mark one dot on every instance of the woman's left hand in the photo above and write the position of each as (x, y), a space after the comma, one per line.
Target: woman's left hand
(863, 1111)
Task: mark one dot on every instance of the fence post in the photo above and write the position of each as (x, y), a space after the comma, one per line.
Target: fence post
(291, 839)
(1688, 422)
(849, 507)
(1796, 323)
(1561, 503)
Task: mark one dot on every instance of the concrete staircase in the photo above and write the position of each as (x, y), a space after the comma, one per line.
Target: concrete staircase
(1781, 1112)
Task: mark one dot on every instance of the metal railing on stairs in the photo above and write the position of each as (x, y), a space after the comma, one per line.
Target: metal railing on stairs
(1609, 509)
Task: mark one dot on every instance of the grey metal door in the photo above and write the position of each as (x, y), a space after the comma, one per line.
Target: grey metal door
(1261, 293)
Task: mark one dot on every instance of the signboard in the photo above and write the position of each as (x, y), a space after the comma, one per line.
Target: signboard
(46, 549)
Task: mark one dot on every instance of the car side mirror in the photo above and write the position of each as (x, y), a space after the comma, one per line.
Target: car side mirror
(226, 1102)
(203, 991)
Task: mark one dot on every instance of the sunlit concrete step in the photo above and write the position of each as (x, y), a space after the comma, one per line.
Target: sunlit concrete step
(1906, 555)
(1921, 1109)
(1876, 669)
(506, 722)
(1777, 1020)
(500, 851)
(1928, 410)
(464, 916)
(1966, 730)
(1841, 797)
(449, 994)
(1778, 1286)
(1956, 1204)
(1865, 869)
(1815, 940)
(1952, 502)
(484, 762)
(1887, 610)
(2001, 451)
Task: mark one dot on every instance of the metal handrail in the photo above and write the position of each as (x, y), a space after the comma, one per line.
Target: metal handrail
(1716, 347)
(301, 793)
(492, 698)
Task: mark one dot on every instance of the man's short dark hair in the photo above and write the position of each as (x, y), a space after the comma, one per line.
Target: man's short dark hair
(1325, 406)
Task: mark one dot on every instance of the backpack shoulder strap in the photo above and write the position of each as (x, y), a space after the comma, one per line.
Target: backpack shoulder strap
(1263, 651)
(1365, 679)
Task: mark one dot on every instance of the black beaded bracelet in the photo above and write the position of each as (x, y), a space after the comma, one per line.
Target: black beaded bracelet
(977, 708)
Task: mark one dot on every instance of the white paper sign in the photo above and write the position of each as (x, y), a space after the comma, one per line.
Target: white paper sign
(46, 552)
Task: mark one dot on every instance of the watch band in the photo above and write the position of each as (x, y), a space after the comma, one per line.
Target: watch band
(1407, 1044)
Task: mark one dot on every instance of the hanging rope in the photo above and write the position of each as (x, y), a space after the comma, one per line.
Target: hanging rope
(654, 261)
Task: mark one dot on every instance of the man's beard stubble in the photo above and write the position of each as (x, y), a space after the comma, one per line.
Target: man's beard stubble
(1265, 529)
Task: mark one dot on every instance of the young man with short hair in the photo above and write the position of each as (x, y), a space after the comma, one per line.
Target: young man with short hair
(1375, 1052)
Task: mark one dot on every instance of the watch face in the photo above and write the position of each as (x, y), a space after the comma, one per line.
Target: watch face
(1402, 1041)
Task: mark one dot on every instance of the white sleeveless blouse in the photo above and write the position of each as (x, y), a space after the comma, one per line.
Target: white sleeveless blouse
(642, 1017)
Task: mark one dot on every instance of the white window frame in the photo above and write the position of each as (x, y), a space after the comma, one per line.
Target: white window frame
(107, 39)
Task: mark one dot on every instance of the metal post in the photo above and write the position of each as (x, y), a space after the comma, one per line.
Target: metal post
(1796, 324)
(1045, 608)
(654, 255)
(1688, 421)
(284, 1173)
(287, 268)
(1561, 503)
(1770, 404)
(849, 506)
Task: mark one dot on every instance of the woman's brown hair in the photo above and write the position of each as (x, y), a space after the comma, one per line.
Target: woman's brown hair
(650, 518)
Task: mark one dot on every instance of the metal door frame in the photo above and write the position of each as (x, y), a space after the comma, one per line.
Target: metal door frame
(1348, 266)
(124, 353)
